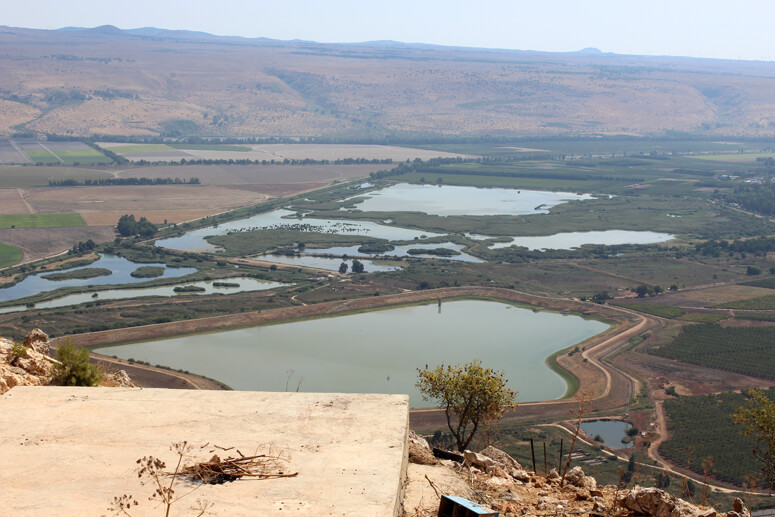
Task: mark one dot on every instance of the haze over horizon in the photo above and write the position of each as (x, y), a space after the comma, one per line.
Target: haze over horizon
(690, 28)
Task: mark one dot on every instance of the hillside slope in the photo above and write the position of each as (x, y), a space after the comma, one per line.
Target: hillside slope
(107, 81)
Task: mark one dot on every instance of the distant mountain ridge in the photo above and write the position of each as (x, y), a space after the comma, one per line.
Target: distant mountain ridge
(149, 81)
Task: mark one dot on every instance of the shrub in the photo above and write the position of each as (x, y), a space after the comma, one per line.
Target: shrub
(18, 350)
(74, 368)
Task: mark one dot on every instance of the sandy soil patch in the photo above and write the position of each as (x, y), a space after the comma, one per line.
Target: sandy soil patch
(129, 199)
(11, 202)
(256, 174)
(323, 152)
(37, 243)
(717, 295)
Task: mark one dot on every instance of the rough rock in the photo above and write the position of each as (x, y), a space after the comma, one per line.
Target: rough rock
(540, 496)
(28, 368)
(497, 471)
(38, 341)
(478, 460)
(501, 458)
(119, 379)
(419, 450)
(576, 477)
(652, 501)
(739, 509)
(520, 475)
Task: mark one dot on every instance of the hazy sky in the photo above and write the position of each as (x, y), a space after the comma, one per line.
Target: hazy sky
(734, 29)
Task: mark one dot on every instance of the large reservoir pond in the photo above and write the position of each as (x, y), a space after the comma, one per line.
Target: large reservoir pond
(570, 240)
(379, 351)
(453, 200)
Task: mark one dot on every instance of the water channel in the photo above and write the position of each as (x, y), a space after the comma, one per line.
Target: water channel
(245, 284)
(379, 351)
(121, 274)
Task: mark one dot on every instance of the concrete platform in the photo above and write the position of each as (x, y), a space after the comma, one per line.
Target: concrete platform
(70, 451)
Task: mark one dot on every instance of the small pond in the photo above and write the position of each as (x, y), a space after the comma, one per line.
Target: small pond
(570, 240)
(245, 284)
(327, 263)
(121, 268)
(454, 200)
(379, 351)
(611, 431)
(286, 219)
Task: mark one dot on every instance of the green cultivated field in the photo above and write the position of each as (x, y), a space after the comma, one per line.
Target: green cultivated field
(40, 155)
(701, 427)
(744, 350)
(9, 255)
(41, 220)
(663, 311)
(761, 303)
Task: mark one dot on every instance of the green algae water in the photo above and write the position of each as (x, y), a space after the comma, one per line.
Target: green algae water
(379, 351)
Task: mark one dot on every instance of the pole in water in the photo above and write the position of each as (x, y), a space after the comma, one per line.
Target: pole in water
(533, 454)
(439, 302)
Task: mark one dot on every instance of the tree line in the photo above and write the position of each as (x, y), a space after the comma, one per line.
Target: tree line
(122, 181)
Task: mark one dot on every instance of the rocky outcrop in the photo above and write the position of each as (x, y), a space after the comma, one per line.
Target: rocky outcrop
(25, 364)
(652, 501)
(28, 364)
(496, 480)
(419, 450)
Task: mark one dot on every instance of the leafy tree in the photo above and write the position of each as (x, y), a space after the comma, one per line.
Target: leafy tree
(343, 267)
(662, 480)
(642, 291)
(74, 368)
(758, 417)
(471, 396)
(127, 226)
(357, 266)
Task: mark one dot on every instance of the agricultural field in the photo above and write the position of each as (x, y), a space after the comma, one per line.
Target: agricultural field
(701, 427)
(41, 220)
(761, 303)
(744, 350)
(18, 176)
(271, 152)
(9, 255)
(715, 296)
(103, 205)
(59, 153)
(38, 243)
(736, 157)
(663, 311)
(281, 178)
